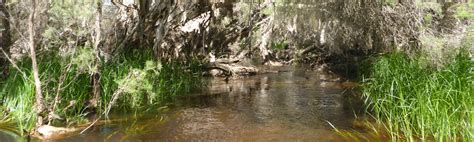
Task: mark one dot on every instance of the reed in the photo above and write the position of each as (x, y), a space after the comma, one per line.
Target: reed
(416, 101)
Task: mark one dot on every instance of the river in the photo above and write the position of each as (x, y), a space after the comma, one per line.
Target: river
(293, 105)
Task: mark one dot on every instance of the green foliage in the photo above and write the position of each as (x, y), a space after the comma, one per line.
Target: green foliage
(63, 73)
(69, 19)
(137, 81)
(428, 19)
(279, 45)
(390, 2)
(140, 81)
(178, 78)
(17, 97)
(55, 72)
(144, 82)
(414, 101)
(84, 59)
(464, 12)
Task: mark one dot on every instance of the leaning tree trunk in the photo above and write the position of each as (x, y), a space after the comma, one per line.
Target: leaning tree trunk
(39, 96)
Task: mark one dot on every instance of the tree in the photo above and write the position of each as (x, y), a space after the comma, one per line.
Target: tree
(38, 96)
(97, 43)
(4, 34)
(144, 8)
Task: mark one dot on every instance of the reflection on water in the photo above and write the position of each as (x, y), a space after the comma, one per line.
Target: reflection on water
(286, 106)
(6, 136)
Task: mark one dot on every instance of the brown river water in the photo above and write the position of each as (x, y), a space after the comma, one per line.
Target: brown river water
(293, 105)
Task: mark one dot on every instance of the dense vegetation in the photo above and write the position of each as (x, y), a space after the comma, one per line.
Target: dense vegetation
(132, 79)
(426, 94)
(414, 100)
(63, 61)
(138, 80)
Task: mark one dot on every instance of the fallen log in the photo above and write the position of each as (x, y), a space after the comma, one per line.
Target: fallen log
(309, 49)
(227, 61)
(233, 69)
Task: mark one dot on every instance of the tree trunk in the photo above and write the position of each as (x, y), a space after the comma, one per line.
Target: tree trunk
(5, 35)
(39, 96)
(96, 89)
(144, 7)
(5, 40)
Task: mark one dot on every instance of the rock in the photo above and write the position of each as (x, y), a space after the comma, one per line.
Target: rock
(51, 132)
(216, 72)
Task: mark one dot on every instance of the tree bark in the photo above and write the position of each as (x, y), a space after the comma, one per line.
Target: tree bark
(39, 96)
(144, 8)
(5, 40)
(96, 89)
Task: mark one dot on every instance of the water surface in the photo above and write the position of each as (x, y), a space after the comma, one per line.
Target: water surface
(293, 105)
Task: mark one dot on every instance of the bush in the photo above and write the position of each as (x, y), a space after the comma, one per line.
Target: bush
(144, 82)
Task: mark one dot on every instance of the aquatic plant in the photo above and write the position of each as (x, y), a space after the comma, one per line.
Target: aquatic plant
(416, 101)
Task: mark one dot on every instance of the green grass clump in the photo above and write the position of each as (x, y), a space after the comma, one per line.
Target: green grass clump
(18, 90)
(279, 45)
(416, 101)
(143, 83)
(428, 18)
(390, 2)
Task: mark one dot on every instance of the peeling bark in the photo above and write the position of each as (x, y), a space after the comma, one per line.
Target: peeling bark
(96, 89)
